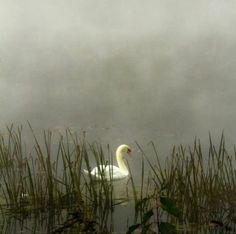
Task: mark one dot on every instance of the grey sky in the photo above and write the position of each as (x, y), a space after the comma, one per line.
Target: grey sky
(150, 66)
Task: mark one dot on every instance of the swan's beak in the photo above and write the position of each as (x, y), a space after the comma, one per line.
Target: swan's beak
(129, 152)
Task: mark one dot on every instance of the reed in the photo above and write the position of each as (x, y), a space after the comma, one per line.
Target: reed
(193, 186)
(199, 182)
(37, 181)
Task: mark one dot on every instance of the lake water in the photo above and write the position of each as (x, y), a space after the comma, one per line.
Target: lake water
(120, 71)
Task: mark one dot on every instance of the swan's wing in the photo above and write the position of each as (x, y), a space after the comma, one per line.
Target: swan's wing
(115, 173)
(100, 172)
(108, 172)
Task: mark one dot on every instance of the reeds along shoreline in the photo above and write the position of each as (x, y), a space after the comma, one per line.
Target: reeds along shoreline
(200, 183)
(49, 176)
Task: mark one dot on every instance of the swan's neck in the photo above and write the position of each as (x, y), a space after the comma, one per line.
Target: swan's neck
(120, 161)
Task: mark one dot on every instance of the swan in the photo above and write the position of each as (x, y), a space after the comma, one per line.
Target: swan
(111, 172)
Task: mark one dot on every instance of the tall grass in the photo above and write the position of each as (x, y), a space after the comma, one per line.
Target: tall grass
(200, 182)
(194, 186)
(49, 175)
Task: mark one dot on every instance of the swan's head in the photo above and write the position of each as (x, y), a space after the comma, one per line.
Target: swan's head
(124, 149)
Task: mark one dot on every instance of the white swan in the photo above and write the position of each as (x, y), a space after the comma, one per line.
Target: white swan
(110, 172)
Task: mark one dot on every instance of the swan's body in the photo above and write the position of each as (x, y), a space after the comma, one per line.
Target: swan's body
(111, 172)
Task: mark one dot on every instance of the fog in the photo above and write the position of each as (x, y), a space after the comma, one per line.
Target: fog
(120, 70)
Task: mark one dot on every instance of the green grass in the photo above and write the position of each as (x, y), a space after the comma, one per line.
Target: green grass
(193, 188)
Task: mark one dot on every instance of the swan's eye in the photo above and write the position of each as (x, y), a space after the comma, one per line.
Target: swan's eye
(128, 151)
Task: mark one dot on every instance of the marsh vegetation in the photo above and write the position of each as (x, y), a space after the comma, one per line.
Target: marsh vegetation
(44, 185)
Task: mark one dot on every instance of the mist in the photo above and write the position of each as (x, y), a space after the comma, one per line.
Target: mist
(121, 71)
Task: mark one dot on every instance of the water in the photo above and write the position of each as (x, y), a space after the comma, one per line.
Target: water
(121, 71)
